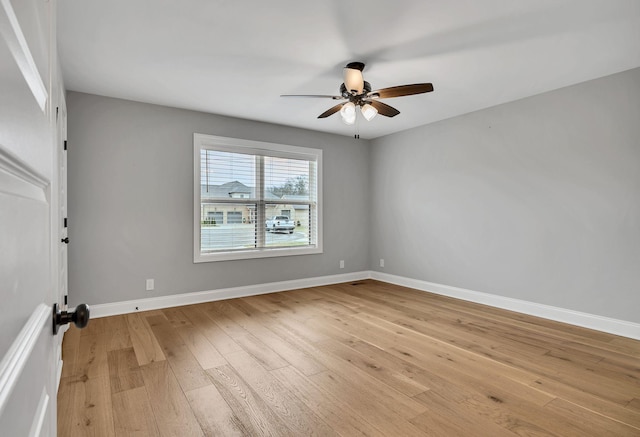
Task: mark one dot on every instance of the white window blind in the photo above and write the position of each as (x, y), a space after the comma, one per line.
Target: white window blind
(255, 199)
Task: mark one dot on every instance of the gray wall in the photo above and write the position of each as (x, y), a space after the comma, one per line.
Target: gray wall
(537, 199)
(131, 202)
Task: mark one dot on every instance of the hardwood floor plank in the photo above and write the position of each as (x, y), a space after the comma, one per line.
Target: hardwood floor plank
(213, 333)
(70, 348)
(360, 378)
(92, 356)
(446, 417)
(66, 408)
(118, 334)
(260, 304)
(437, 349)
(259, 327)
(424, 376)
(336, 413)
(217, 311)
(204, 352)
(124, 372)
(524, 418)
(292, 325)
(171, 410)
(594, 424)
(264, 354)
(297, 416)
(90, 411)
(214, 414)
(375, 368)
(183, 364)
(381, 412)
(144, 343)
(132, 414)
(247, 405)
(589, 401)
(176, 317)
(97, 326)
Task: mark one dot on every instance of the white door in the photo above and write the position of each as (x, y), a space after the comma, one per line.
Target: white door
(29, 236)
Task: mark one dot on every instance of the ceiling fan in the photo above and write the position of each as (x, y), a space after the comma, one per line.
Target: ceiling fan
(358, 93)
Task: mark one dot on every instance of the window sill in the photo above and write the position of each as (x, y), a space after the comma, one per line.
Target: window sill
(253, 254)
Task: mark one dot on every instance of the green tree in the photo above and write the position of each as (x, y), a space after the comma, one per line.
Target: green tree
(293, 186)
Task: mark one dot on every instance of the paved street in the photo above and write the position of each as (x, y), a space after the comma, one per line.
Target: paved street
(243, 236)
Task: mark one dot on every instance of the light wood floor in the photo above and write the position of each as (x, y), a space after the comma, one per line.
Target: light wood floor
(366, 358)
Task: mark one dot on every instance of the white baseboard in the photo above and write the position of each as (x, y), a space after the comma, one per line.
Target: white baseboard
(585, 320)
(154, 303)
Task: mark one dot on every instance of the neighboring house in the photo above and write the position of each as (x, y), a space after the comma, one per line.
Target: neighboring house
(300, 212)
(219, 213)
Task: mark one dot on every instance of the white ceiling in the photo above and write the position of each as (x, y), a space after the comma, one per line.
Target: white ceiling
(235, 57)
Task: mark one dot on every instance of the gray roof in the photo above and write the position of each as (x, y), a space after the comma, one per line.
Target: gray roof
(225, 190)
(228, 189)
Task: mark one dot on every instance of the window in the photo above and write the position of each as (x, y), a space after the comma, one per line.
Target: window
(242, 190)
(234, 217)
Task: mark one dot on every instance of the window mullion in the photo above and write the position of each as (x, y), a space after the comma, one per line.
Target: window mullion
(261, 215)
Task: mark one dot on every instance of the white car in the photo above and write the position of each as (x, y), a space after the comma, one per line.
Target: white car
(280, 223)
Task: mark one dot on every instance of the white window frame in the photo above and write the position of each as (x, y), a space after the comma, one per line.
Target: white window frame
(234, 145)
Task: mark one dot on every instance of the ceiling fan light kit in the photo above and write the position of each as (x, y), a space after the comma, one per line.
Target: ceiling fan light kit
(348, 113)
(358, 92)
(368, 111)
(353, 80)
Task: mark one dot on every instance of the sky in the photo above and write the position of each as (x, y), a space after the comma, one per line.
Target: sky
(221, 167)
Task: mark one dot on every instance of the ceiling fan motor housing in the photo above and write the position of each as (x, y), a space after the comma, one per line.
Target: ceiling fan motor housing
(356, 65)
(358, 97)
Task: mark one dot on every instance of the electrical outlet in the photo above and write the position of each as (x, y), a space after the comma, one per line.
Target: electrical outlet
(150, 284)
(342, 264)
(381, 262)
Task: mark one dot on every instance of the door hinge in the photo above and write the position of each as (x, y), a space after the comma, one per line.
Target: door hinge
(65, 222)
(65, 144)
(65, 299)
(57, 109)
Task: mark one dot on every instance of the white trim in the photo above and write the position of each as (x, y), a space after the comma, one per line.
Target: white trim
(263, 252)
(131, 306)
(585, 320)
(19, 179)
(17, 43)
(257, 148)
(18, 354)
(41, 412)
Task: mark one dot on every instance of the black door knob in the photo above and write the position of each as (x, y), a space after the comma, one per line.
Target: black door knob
(65, 240)
(80, 317)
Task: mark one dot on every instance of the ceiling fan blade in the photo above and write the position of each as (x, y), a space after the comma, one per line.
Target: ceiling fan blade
(313, 95)
(331, 111)
(402, 90)
(353, 79)
(384, 109)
